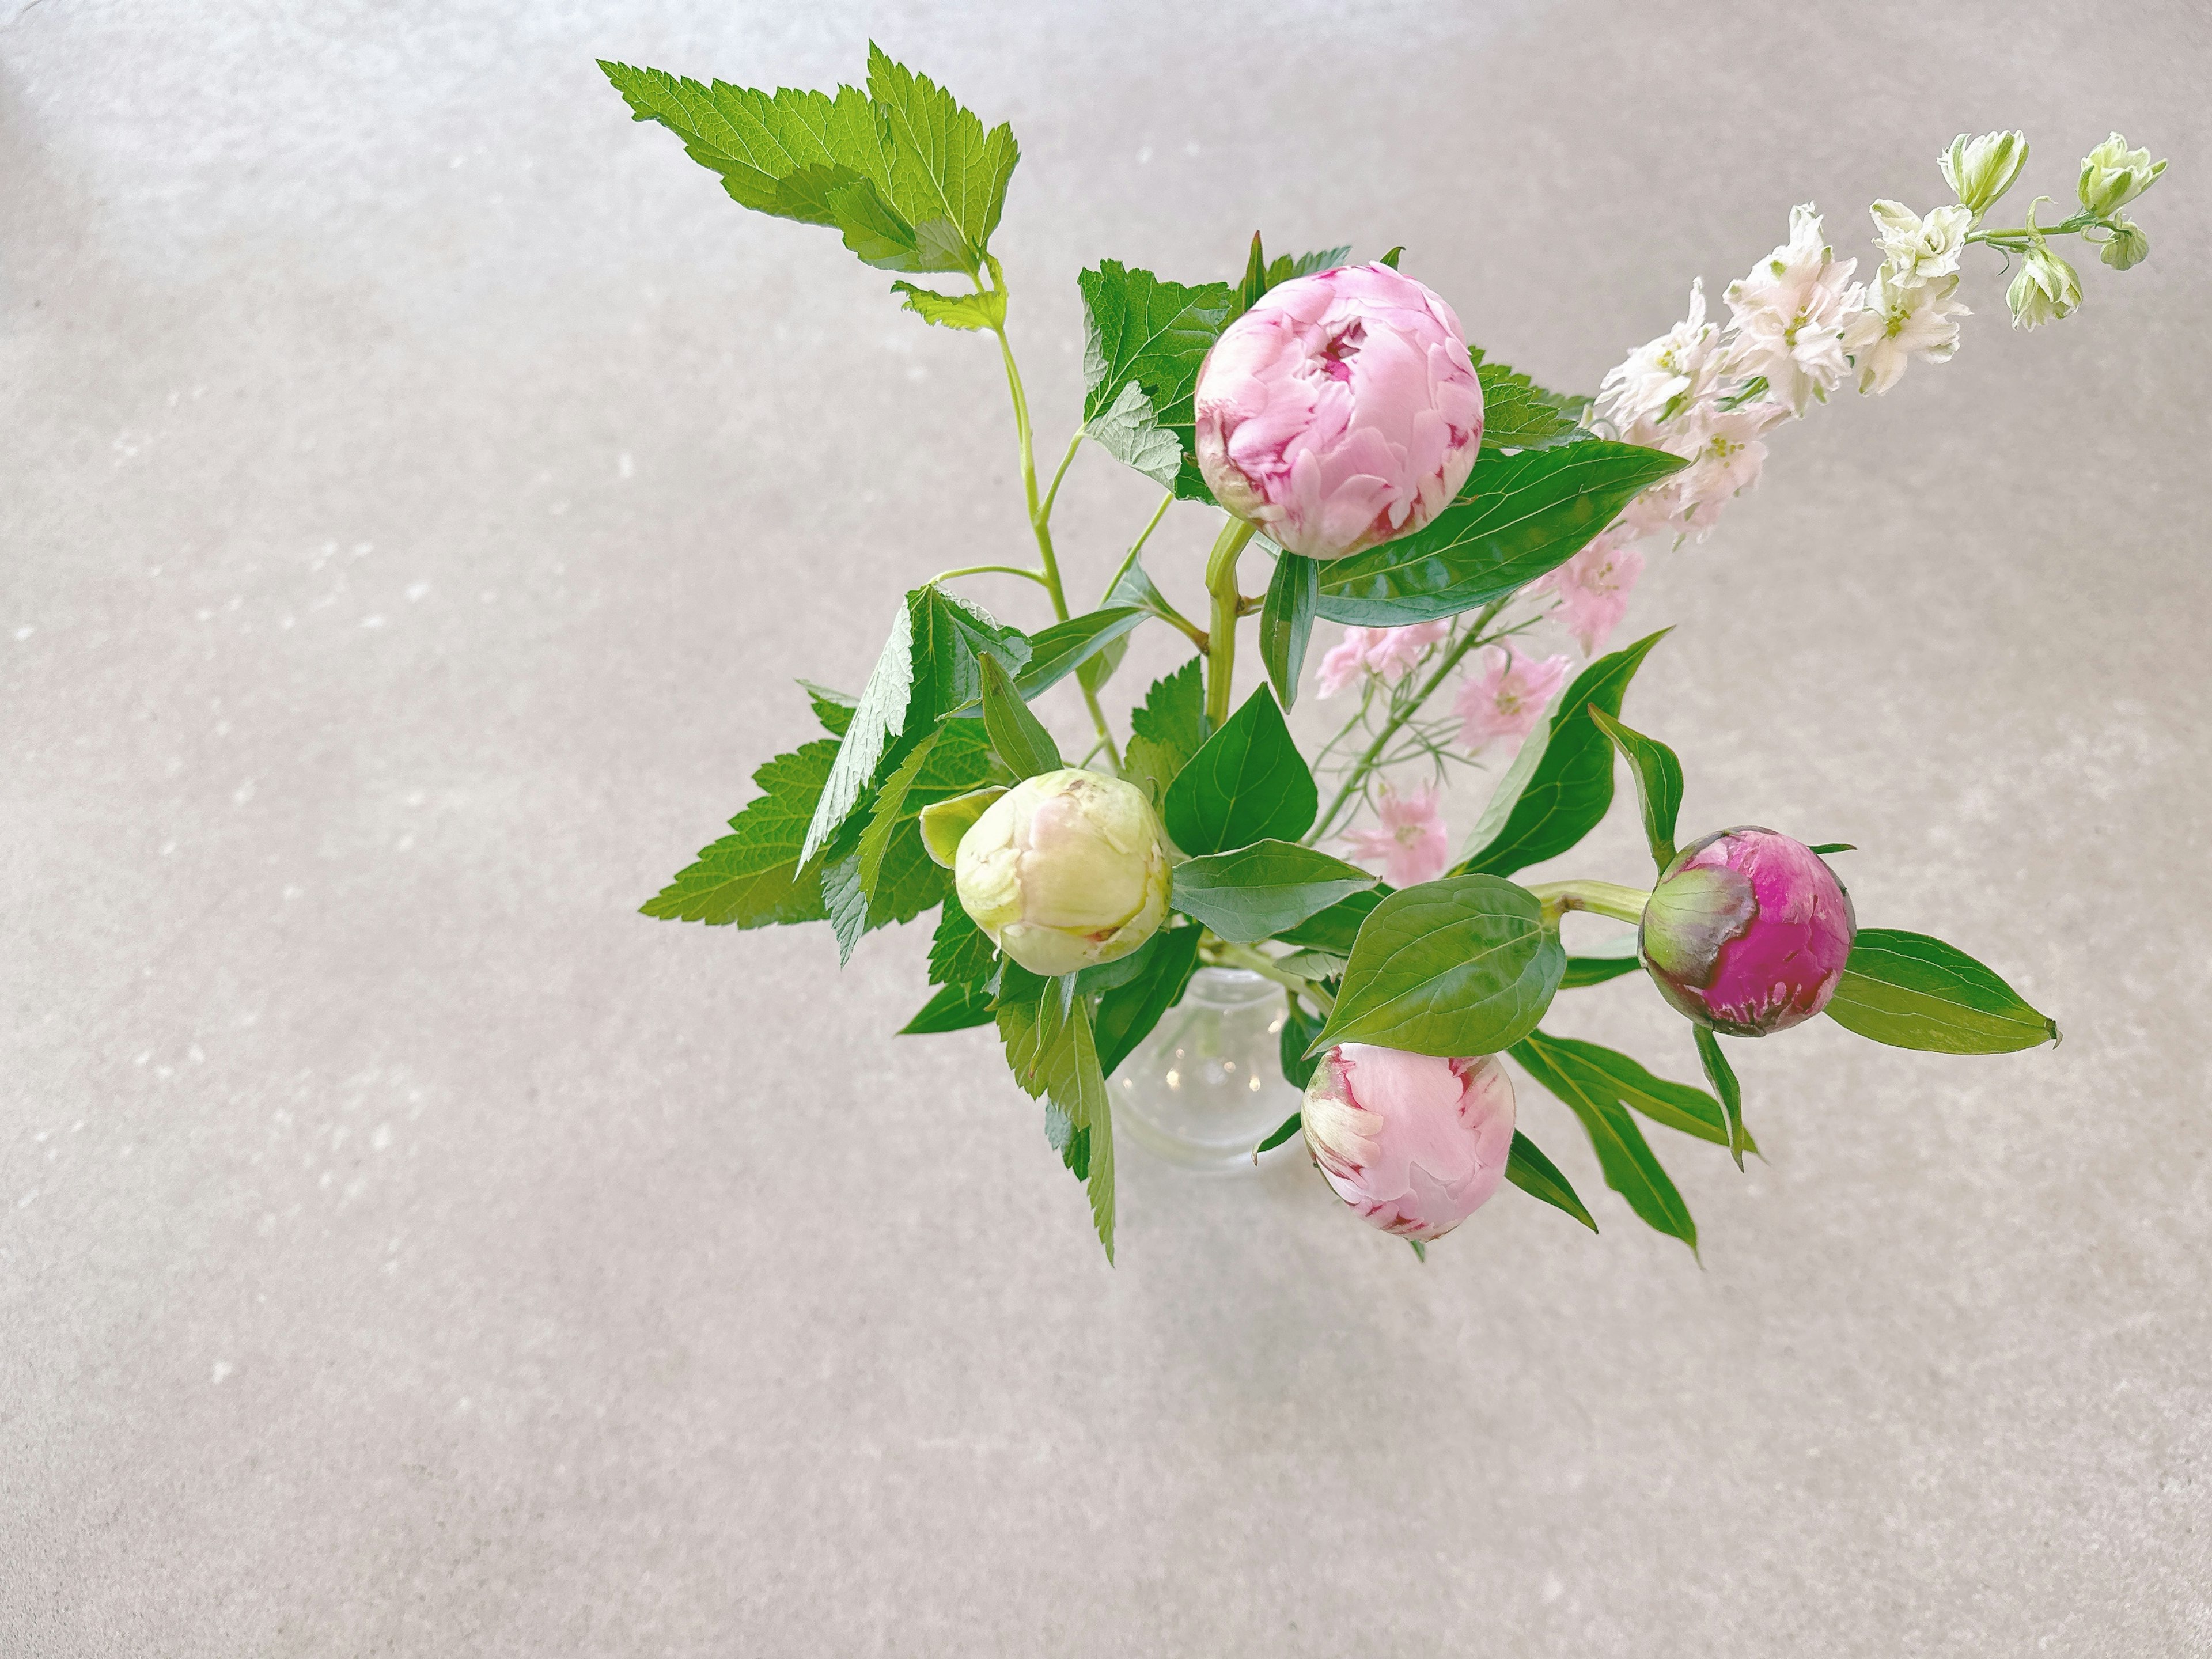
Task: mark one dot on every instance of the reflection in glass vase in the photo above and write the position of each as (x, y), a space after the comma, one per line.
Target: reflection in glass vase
(1208, 1087)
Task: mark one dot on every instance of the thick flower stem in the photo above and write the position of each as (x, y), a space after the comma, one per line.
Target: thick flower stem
(1600, 898)
(1221, 637)
(1365, 763)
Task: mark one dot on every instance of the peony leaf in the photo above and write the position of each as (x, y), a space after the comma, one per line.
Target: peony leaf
(1060, 649)
(1018, 735)
(1127, 1013)
(1246, 782)
(944, 823)
(1527, 1168)
(1282, 1131)
(1300, 1028)
(1261, 273)
(1596, 971)
(1456, 966)
(1658, 782)
(1721, 1075)
(1335, 929)
(1630, 1168)
(1286, 622)
(1254, 892)
(1518, 517)
(1913, 991)
(1677, 1105)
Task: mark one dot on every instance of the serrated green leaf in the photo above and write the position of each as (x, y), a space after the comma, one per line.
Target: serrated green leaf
(1246, 782)
(1630, 1168)
(907, 881)
(1053, 1051)
(1569, 790)
(960, 953)
(1527, 1168)
(1254, 892)
(1658, 781)
(1030, 1009)
(1060, 649)
(948, 177)
(878, 717)
(1677, 1105)
(1736, 1138)
(1596, 971)
(1129, 430)
(1517, 517)
(1286, 622)
(1143, 332)
(1518, 414)
(1913, 991)
(833, 708)
(986, 310)
(954, 1008)
(890, 806)
(1127, 1013)
(1165, 731)
(1018, 735)
(752, 877)
(1455, 968)
(1086, 1100)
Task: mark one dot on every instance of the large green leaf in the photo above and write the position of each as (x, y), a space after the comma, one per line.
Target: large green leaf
(1246, 782)
(948, 177)
(1144, 341)
(1254, 892)
(752, 876)
(1527, 1168)
(1020, 737)
(890, 808)
(1913, 991)
(907, 881)
(1458, 967)
(1518, 414)
(833, 708)
(1658, 782)
(961, 953)
(1677, 1105)
(1569, 790)
(1127, 1013)
(1517, 517)
(1060, 649)
(1165, 731)
(1630, 1168)
(1286, 622)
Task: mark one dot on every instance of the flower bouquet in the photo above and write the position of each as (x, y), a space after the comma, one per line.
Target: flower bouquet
(1373, 469)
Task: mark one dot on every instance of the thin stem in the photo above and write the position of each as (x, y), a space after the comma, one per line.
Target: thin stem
(1221, 583)
(1365, 763)
(1242, 955)
(1065, 461)
(1600, 898)
(1037, 576)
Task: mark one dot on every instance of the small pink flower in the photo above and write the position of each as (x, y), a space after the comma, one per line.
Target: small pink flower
(1508, 697)
(1414, 1143)
(1341, 411)
(1594, 587)
(1387, 652)
(1411, 840)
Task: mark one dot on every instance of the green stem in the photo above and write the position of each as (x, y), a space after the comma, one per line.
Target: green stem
(1241, 955)
(1365, 763)
(1221, 637)
(1600, 898)
(1037, 576)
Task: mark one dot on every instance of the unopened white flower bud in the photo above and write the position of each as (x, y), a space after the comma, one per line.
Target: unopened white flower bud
(2046, 289)
(2127, 247)
(1982, 169)
(2112, 175)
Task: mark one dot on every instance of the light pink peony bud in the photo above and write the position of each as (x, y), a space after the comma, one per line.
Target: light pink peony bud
(1341, 411)
(1748, 932)
(1414, 1143)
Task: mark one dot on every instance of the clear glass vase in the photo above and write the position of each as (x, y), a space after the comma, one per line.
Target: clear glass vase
(1208, 1086)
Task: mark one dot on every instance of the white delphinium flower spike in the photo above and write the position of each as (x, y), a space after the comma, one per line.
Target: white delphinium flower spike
(1900, 322)
(1917, 249)
(1662, 377)
(1790, 313)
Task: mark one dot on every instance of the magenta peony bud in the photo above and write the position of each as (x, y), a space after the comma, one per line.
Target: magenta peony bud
(1414, 1143)
(1339, 411)
(1748, 932)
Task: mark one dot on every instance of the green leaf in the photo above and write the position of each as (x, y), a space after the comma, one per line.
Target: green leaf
(1677, 1105)
(1596, 971)
(1828, 847)
(1736, 1138)
(948, 177)
(1127, 1013)
(1289, 1127)
(1527, 1168)
(1165, 731)
(1261, 273)
(1022, 742)
(890, 808)
(752, 877)
(1254, 892)
(944, 823)
(1052, 1051)
(1030, 1010)
(1246, 782)
(961, 953)
(1286, 622)
(1913, 991)
(1144, 341)
(1300, 1027)
(1658, 782)
(833, 708)
(1314, 965)
(1518, 517)
(1060, 649)
(968, 311)
(1337, 928)
(1569, 788)
(1079, 1089)
(954, 1008)
(1518, 414)
(1391, 258)
(1457, 967)
(1630, 1168)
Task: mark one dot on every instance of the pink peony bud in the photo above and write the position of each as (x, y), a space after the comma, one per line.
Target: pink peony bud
(1414, 1143)
(1341, 411)
(1748, 932)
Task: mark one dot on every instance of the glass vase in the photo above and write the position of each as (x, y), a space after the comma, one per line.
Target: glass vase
(1208, 1086)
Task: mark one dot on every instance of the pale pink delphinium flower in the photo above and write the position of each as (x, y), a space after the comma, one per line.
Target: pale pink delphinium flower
(1386, 653)
(1790, 314)
(1508, 697)
(1594, 587)
(1410, 840)
(1341, 411)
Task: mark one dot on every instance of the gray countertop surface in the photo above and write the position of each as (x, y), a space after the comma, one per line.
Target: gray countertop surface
(421, 489)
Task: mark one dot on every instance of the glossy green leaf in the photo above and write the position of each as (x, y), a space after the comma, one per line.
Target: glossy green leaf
(1913, 991)
(1261, 273)
(1596, 971)
(1282, 1131)
(1144, 341)
(1721, 1075)
(1246, 782)
(954, 1008)
(1060, 649)
(961, 953)
(1286, 622)
(986, 310)
(1165, 731)
(1020, 737)
(1630, 1168)
(1676, 1105)
(1527, 1168)
(1131, 586)
(752, 877)
(1456, 966)
(1335, 929)
(1127, 1013)
(1254, 892)
(1517, 517)
(1518, 414)
(1300, 1027)
(1568, 791)
(1658, 782)
(1828, 847)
